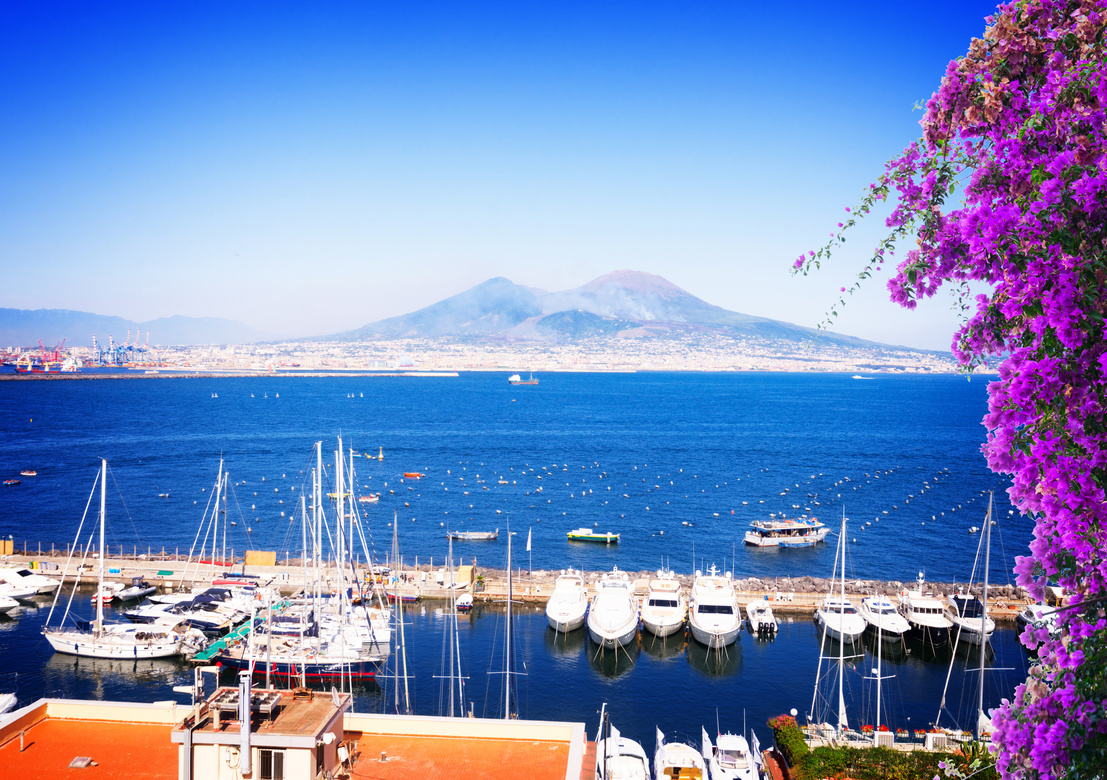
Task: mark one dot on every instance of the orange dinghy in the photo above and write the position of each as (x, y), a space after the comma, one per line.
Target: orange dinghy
(412, 475)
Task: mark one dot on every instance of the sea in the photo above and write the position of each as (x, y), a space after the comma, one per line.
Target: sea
(678, 464)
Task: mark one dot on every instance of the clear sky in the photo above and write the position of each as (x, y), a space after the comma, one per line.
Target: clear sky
(311, 167)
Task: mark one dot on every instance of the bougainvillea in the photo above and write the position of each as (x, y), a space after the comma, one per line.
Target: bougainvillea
(1006, 191)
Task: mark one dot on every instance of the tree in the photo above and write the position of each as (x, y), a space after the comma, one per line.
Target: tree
(1007, 189)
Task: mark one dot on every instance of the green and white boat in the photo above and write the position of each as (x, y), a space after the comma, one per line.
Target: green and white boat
(588, 535)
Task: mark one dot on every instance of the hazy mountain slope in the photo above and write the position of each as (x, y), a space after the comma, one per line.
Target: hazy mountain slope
(25, 327)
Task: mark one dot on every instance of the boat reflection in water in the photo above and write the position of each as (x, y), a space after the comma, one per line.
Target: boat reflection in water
(560, 643)
(720, 662)
(664, 648)
(612, 662)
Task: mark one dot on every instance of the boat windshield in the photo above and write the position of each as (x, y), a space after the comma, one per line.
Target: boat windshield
(731, 759)
(715, 609)
(664, 603)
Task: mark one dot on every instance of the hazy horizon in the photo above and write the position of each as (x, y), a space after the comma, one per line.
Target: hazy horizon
(307, 170)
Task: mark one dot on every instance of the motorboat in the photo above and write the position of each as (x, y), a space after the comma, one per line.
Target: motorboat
(839, 619)
(18, 592)
(729, 758)
(665, 607)
(714, 615)
(760, 616)
(588, 535)
(7, 604)
(464, 602)
(800, 532)
(97, 639)
(613, 614)
(25, 578)
(474, 536)
(568, 603)
(880, 615)
(1039, 616)
(969, 621)
(677, 761)
(139, 588)
(7, 702)
(926, 614)
(621, 758)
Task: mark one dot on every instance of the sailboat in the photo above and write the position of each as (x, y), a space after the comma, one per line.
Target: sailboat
(836, 616)
(983, 723)
(105, 640)
(452, 679)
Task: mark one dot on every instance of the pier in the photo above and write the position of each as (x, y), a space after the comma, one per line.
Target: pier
(171, 572)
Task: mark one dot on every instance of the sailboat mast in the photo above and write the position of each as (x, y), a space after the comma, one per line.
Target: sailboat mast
(103, 512)
(984, 617)
(215, 534)
(879, 671)
(842, 722)
(508, 665)
(452, 628)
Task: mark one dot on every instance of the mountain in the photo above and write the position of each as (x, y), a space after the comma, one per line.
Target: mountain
(621, 303)
(24, 328)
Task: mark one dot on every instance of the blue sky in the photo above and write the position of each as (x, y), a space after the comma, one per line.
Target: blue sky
(307, 168)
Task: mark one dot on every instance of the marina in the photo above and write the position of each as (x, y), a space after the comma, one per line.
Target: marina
(676, 496)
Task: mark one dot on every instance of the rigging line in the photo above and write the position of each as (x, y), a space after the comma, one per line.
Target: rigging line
(72, 550)
(123, 501)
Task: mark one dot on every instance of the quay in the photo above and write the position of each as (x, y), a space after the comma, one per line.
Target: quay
(170, 572)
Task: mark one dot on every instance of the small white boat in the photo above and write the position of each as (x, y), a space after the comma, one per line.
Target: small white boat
(1039, 616)
(25, 578)
(474, 536)
(7, 604)
(665, 608)
(139, 588)
(969, 622)
(714, 615)
(613, 615)
(729, 758)
(464, 602)
(675, 760)
(880, 615)
(568, 603)
(761, 619)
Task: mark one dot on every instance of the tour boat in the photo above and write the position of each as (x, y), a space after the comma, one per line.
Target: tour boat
(372, 498)
(665, 608)
(804, 532)
(29, 473)
(474, 536)
(568, 604)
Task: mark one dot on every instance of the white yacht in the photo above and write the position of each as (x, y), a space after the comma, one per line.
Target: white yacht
(880, 615)
(25, 578)
(17, 592)
(665, 607)
(620, 758)
(714, 616)
(761, 619)
(613, 616)
(926, 614)
(729, 758)
(7, 604)
(568, 603)
(839, 619)
(672, 760)
(969, 622)
(1039, 616)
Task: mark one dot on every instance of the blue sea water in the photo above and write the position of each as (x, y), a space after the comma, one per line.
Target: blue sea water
(678, 464)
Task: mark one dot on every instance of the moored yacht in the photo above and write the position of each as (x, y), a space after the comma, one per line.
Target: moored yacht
(613, 615)
(926, 614)
(729, 758)
(761, 619)
(969, 622)
(568, 603)
(665, 607)
(672, 760)
(880, 615)
(619, 757)
(839, 619)
(714, 616)
(25, 578)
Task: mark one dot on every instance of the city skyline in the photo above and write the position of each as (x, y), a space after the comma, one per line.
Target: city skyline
(311, 170)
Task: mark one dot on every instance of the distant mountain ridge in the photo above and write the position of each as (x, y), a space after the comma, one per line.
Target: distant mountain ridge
(26, 327)
(621, 303)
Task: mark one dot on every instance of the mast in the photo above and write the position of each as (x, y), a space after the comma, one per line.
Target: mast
(508, 661)
(842, 722)
(984, 618)
(401, 669)
(103, 512)
(215, 532)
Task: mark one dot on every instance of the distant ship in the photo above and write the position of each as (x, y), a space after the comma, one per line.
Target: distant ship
(515, 379)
